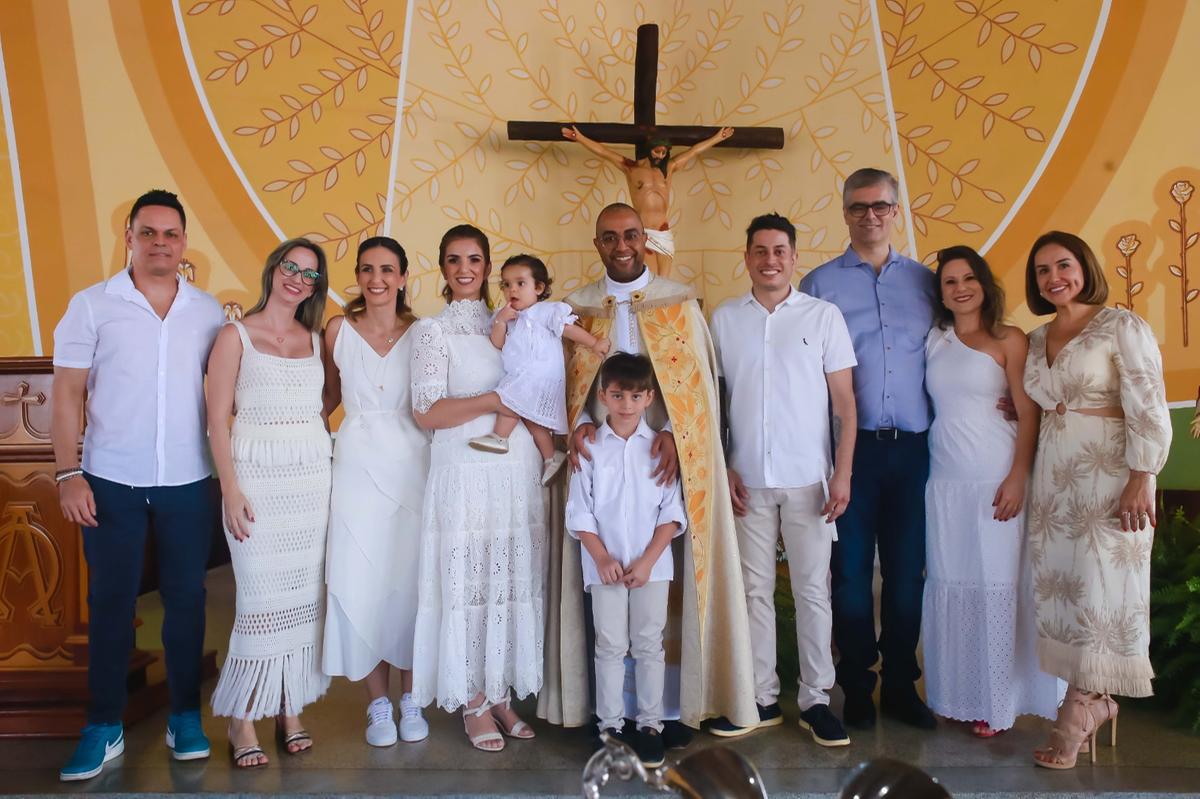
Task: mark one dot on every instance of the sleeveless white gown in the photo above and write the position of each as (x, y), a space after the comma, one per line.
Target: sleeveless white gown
(281, 456)
(380, 462)
(977, 624)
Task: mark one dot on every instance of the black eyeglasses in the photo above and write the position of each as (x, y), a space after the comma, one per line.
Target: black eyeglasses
(307, 276)
(631, 237)
(859, 210)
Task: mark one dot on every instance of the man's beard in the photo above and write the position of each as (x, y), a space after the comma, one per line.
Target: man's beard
(660, 163)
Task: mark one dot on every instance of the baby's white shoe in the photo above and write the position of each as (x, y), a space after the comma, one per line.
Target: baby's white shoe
(490, 443)
(551, 465)
(381, 728)
(413, 726)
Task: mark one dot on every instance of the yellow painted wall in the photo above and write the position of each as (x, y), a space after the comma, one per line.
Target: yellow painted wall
(279, 117)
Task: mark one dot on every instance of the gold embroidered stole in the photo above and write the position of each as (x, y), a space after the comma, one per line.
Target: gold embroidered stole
(668, 336)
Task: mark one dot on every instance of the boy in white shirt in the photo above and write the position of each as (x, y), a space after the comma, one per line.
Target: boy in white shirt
(625, 522)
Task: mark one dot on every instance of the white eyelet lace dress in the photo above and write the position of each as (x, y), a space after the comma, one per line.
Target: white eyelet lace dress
(535, 375)
(281, 456)
(483, 555)
(977, 626)
(380, 462)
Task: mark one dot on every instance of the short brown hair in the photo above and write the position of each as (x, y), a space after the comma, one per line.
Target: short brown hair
(537, 271)
(867, 177)
(1095, 285)
(627, 372)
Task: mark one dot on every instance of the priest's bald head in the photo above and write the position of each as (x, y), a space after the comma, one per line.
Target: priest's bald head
(621, 242)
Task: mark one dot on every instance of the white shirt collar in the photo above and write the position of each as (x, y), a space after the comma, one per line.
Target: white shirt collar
(625, 289)
(794, 296)
(642, 430)
(122, 285)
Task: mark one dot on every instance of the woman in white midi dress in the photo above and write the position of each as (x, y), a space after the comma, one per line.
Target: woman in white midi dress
(266, 372)
(380, 462)
(977, 629)
(483, 554)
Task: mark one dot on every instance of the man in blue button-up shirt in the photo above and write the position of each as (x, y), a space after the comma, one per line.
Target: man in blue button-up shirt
(886, 299)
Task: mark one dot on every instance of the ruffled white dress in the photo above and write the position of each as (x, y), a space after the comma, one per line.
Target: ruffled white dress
(281, 456)
(534, 383)
(380, 462)
(480, 615)
(977, 624)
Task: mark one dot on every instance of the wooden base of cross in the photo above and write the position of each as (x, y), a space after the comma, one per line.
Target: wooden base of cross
(644, 127)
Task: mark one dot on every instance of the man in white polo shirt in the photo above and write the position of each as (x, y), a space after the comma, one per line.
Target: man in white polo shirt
(136, 347)
(785, 360)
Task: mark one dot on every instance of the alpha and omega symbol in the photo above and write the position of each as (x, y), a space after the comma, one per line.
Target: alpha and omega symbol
(27, 552)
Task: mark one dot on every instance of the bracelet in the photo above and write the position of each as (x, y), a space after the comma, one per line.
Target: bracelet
(66, 474)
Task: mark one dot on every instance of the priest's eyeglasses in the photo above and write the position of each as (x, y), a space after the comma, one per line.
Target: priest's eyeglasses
(308, 277)
(631, 237)
(859, 210)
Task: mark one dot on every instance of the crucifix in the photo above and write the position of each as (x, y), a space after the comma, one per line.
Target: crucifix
(649, 173)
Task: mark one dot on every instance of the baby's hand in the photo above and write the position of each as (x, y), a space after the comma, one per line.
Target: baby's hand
(601, 347)
(506, 314)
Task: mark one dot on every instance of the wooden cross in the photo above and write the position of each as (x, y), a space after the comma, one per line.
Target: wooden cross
(644, 128)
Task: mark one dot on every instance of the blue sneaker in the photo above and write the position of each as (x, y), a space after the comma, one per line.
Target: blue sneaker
(98, 744)
(185, 736)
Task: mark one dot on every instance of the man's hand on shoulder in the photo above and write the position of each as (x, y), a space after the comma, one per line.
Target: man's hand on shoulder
(663, 450)
(584, 435)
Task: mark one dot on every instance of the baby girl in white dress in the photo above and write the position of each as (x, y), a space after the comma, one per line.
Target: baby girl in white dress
(528, 332)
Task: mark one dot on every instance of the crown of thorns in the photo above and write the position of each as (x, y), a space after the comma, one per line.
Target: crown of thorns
(652, 143)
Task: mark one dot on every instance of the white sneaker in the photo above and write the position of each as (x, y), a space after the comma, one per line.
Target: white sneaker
(413, 726)
(381, 729)
(490, 443)
(551, 465)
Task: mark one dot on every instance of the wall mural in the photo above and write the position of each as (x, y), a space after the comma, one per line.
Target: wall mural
(346, 118)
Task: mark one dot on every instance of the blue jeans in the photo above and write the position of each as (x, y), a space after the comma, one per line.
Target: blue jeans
(887, 508)
(181, 519)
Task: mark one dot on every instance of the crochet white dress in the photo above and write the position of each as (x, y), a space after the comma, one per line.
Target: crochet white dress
(281, 456)
(535, 383)
(483, 535)
(380, 462)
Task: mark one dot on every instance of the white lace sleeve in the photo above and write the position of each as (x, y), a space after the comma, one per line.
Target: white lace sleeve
(430, 365)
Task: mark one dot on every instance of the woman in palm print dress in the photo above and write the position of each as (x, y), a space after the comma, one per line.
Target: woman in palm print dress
(1096, 372)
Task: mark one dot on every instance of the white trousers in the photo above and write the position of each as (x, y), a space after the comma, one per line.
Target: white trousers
(629, 620)
(794, 513)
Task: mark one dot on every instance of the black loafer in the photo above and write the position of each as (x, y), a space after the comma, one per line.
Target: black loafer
(649, 747)
(768, 716)
(904, 705)
(859, 711)
(825, 728)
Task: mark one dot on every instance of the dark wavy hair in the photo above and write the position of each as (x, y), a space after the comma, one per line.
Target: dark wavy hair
(356, 306)
(457, 233)
(1095, 285)
(991, 313)
(537, 270)
(311, 312)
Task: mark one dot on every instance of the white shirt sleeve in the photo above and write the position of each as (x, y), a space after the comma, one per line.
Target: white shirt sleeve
(581, 506)
(430, 366)
(75, 335)
(671, 508)
(838, 352)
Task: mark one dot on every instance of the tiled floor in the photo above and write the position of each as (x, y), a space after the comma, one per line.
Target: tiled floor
(1151, 759)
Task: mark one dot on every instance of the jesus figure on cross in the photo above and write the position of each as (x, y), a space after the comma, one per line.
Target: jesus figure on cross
(649, 181)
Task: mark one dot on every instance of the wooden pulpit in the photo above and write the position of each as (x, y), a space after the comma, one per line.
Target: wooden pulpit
(43, 577)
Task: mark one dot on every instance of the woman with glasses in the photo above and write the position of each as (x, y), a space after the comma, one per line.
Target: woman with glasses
(479, 606)
(265, 372)
(380, 462)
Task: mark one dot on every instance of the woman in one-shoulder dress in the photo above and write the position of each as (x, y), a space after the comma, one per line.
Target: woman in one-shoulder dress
(380, 462)
(977, 625)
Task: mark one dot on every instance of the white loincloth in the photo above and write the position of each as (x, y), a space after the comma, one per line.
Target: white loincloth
(661, 242)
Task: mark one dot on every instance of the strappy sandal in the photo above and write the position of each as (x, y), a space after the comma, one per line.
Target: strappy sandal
(981, 729)
(490, 737)
(239, 755)
(289, 739)
(519, 729)
(1080, 716)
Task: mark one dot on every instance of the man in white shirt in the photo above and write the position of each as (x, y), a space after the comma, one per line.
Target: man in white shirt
(785, 359)
(136, 345)
(625, 521)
